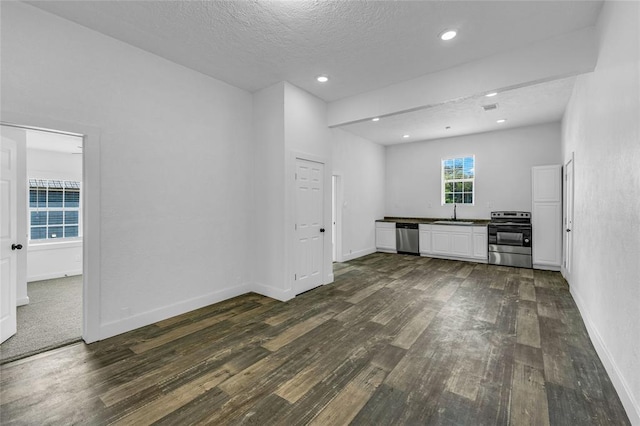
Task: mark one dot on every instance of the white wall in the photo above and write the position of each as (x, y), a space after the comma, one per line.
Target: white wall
(306, 136)
(53, 259)
(267, 227)
(175, 163)
(287, 123)
(503, 171)
(602, 126)
(360, 165)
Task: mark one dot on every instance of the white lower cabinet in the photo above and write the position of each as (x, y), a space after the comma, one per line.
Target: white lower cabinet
(480, 247)
(425, 239)
(452, 240)
(455, 242)
(444, 241)
(386, 236)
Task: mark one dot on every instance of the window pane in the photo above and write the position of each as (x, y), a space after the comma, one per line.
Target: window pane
(468, 198)
(457, 198)
(55, 218)
(33, 198)
(38, 233)
(448, 187)
(55, 198)
(54, 232)
(37, 198)
(458, 186)
(448, 198)
(468, 187)
(70, 231)
(72, 199)
(448, 173)
(71, 217)
(38, 218)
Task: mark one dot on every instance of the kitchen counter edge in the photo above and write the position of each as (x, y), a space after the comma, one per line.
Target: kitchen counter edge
(430, 220)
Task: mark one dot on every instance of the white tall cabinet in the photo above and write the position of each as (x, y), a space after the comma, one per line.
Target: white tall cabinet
(546, 217)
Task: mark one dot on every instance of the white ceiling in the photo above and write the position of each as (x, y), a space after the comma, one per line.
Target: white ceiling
(539, 103)
(360, 45)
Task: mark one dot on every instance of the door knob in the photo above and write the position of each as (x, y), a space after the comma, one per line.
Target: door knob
(321, 229)
(16, 246)
(568, 230)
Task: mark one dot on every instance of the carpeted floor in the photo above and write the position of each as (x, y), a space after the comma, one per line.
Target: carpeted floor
(52, 318)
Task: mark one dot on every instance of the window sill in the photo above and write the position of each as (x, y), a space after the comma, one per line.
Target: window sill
(49, 245)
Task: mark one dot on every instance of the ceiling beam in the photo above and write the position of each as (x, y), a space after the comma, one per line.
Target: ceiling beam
(558, 57)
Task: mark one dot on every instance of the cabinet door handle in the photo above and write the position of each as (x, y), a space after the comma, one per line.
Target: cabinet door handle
(568, 230)
(16, 246)
(321, 229)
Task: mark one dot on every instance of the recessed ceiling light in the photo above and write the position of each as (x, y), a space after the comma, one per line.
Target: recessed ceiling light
(322, 78)
(375, 119)
(448, 35)
(489, 95)
(405, 136)
(502, 120)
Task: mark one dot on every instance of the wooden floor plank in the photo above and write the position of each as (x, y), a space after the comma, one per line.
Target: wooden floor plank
(345, 406)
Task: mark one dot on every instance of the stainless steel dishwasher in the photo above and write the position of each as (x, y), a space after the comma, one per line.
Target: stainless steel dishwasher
(407, 238)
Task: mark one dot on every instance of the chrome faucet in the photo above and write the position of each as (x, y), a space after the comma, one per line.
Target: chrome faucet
(454, 212)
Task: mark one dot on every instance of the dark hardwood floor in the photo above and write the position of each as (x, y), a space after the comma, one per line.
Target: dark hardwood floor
(395, 340)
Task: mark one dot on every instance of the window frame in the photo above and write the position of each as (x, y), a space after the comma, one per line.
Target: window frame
(47, 209)
(444, 181)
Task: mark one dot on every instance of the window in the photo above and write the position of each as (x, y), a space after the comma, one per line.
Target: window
(54, 209)
(458, 180)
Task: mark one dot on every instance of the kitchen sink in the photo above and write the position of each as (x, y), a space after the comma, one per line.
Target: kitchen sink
(452, 222)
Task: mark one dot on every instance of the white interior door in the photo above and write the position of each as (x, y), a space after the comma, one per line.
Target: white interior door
(9, 243)
(568, 202)
(309, 240)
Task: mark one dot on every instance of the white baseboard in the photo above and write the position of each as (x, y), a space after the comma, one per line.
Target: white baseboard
(272, 292)
(140, 320)
(357, 254)
(547, 267)
(631, 406)
(54, 275)
(22, 301)
(330, 279)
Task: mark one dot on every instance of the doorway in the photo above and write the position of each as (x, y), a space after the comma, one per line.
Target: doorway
(49, 272)
(568, 218)
(336, 217)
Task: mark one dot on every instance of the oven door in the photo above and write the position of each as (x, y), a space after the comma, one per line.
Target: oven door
(510, 235)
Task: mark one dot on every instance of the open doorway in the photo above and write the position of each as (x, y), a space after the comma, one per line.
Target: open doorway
(49, 294)
(336, 217)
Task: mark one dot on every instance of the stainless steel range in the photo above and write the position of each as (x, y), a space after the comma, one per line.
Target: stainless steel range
(510, 239)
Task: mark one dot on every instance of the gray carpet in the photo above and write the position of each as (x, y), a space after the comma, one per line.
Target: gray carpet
(53, 318)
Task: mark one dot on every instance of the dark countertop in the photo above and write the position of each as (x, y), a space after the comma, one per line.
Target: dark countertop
(429, 220)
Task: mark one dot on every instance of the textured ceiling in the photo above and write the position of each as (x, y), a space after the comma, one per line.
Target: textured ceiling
(361, 45)
(539, 103)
